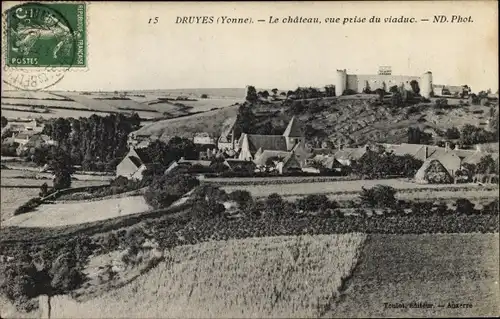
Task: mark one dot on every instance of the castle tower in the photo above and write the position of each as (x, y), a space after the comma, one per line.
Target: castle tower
(426, 84)
(340, 82)
(293, 134)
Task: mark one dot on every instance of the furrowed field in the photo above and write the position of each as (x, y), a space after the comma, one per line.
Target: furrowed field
(439, 269)
(251, 278)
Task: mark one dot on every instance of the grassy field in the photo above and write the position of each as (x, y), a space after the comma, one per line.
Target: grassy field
(437, 269)
(251, 278)
(12, 198)
(62, 214)
(210, 122)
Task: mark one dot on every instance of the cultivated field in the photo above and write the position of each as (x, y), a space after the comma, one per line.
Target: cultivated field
(251, 278)
(338, 187)
(12, 198)
(29, 182)
(61, 214)
(433, 268)
(148, 105)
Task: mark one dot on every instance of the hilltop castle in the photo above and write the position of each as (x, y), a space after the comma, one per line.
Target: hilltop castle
(382, 80)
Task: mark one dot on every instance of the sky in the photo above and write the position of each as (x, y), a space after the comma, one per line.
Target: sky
(126, 53)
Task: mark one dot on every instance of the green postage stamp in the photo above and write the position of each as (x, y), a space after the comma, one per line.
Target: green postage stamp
(52, 35)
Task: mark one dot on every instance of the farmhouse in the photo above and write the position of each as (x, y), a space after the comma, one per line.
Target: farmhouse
(433, 172)
(134, 164)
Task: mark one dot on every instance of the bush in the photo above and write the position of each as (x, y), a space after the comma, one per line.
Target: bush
(166, 189)
(464, 206)
(441, 103)
(243, 198)
(204, 96)
(315, 203)
(349, 92)
(207, 191)
(28, 206)
(379, 196)
(275, 203)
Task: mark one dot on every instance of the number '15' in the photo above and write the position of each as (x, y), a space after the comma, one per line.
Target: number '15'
(153, 20)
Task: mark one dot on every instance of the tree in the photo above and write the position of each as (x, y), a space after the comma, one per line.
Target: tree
(4, 121)
(60, 163)
(452, 133)
(415, 87)
(44, 190)
(367, 89)
(417, 136)
(265, 94)
(204, 96)
(381, 94)
(251, 94)
(379, 196)
(397, 100)
(245, 120)
(275, 91)
(486, 165)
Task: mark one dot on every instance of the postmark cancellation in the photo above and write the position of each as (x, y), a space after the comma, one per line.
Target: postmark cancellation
(42, 41)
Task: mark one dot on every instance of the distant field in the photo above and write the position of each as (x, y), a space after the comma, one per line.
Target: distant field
(29, 95)
(89, 102)
(434, 268)
(53, 114)
(281, 277)
(12, 198)
(47, 103)
(61, 214)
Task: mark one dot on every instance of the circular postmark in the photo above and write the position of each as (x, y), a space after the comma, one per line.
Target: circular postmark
(40, 46)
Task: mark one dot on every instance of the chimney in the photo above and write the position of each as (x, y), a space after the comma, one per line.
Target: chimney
(447, 146)
(426, 149)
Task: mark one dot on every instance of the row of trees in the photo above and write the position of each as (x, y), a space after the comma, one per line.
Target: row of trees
(96, 141)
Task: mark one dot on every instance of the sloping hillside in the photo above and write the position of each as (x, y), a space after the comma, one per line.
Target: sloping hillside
(353, 120)
(210, 122)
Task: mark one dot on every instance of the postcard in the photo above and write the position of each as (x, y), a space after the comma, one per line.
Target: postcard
(314, 159)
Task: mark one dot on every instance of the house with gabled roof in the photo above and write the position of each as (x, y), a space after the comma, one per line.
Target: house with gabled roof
(250, 144)
(134, 163)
